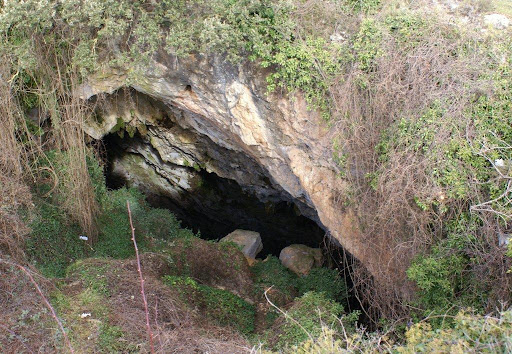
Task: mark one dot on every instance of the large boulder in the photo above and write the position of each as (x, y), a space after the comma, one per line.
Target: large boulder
(300, 258)
(249, 241)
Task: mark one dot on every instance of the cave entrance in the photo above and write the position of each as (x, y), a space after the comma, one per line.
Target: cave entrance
(218, 206)
(161, 150)
(223, 207)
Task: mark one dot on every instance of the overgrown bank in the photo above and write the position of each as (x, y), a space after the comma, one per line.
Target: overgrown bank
(419, 99)
(197, 289)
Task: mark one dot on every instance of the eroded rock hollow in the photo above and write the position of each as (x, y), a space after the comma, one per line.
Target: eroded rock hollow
(185, 120)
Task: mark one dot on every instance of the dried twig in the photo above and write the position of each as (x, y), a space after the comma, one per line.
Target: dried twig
(148, 325)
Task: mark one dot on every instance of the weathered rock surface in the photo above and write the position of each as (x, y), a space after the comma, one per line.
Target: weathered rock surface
(497, 21)
(300, 259)
(249, 241)
(204, 114)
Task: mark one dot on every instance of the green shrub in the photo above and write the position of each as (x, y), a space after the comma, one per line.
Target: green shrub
(115, 232)
(179, 282)
(262, 30)
(443, 275)
(367, 45)
(54, 241)
(228, 309)
(469, 333)
(111, 340)
(363, 5)
(324, 280)
(306, 318)
(271, 272)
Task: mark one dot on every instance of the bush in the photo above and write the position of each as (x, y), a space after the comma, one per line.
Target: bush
(306, 319)
(115, 233)
(455, 274)
(263, 30)
(324, 280)
(54, 241)
(469, 333)
(271, 272)
(114, 225)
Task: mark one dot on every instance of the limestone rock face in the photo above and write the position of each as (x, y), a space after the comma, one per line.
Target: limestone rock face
(497, 21)
(203, 114)
(300, 259)
(249, 241)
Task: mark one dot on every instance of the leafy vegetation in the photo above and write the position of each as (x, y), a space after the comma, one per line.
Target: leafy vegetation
(271, 272)
(326, 281)
(306, 318)
(51, 226)
(468, 333)
(61, 239)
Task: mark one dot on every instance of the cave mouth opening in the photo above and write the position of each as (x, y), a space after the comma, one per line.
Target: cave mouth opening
(219, 206)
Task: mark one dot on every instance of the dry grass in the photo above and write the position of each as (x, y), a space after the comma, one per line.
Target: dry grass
(14, 158)
(406, 79)
(176, 326)
(67, 113)
(26, 326)
(59, 117)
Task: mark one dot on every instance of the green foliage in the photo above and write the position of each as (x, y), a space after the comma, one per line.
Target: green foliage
(442, 277)
(307, 316)
(150, 223)
(52, 227)
(228, 309)
(220, 305)
(326, 281)
(367, 45)
(92, 276)
(298, 69)
(180, 282)
(54, 242)
(111, 340)
(409, 29)
(114, 225)
(462, 166)
(363, 5)
(438, 279)
(271, 272)
(468, 333)
(263, 30)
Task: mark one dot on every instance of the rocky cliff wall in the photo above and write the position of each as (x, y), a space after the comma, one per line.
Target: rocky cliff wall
(206, 114)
